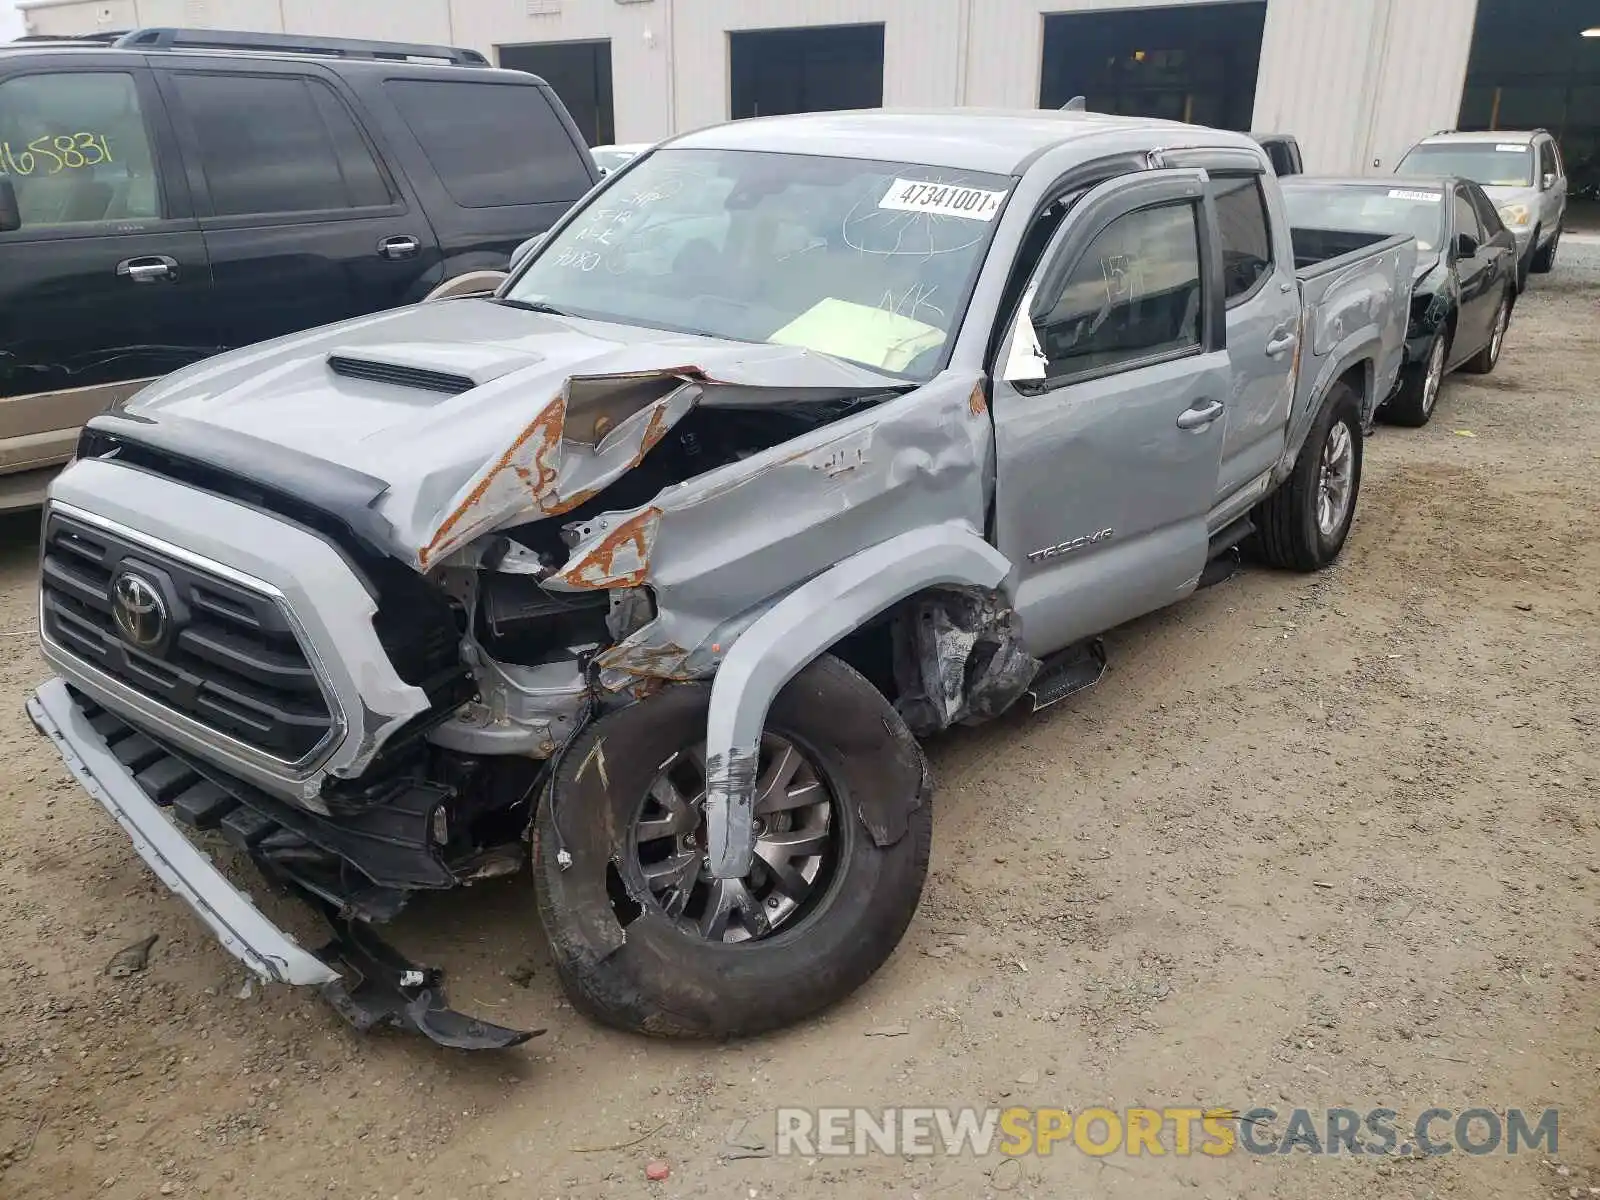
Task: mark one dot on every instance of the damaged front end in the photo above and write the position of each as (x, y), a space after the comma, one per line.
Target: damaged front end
(724, 522)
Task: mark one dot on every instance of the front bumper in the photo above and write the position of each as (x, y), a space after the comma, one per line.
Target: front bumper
(133, 778)
(241, 928)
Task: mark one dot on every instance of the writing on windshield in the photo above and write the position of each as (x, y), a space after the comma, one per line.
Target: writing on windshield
(869, 261)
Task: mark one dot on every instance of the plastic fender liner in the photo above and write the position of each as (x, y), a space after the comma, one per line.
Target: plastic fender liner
(793, 632)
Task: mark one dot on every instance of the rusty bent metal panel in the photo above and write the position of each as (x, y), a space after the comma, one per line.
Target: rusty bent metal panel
(596, 430)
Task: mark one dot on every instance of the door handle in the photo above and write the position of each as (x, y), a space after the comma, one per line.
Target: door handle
(1281, 343)
(1200, 417)
(399, 247)
(148, 270)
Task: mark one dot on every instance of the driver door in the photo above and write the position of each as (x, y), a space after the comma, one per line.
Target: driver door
(1110, 403)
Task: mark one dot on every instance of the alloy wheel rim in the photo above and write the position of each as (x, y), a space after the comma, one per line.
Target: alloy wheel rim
(1430, 386)
(1501, 320)
(1335, 479)
(797, 846)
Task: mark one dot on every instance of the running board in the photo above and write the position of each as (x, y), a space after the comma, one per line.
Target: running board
(1229, 536)
(1073, 670)
(1223, 554)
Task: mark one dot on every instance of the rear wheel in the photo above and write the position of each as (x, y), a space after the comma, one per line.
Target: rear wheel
(644, 938)
(1419, 387)
(1303, 525)
(1485, 360)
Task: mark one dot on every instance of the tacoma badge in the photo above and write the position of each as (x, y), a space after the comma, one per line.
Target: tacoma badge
(1092, 539)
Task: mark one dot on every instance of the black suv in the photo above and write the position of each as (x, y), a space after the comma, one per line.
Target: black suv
(166, 194)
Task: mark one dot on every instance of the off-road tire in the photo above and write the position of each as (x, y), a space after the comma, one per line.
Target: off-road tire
(1287, 534)
(666, 982)
(1485, 360)
(1545, 260)
(1410, 406)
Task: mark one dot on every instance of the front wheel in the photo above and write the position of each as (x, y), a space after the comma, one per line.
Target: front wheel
(1485, 360)
(644, 938)
(1545, 260)
(1419, 387)
(1303, 525)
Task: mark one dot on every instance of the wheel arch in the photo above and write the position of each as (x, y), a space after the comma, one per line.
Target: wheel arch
(804, 624)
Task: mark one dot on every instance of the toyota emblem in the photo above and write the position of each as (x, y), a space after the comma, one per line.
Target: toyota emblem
(139, 611)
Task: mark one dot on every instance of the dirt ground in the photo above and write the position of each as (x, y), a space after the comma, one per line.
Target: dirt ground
(1312, 841)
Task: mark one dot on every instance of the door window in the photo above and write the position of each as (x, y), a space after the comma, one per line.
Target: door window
(1547, 160)
(1134, 295)
(1488, 218)
(1246, 234)
(1467, 218)
(76, 149)
(492, 143)
(278, 144)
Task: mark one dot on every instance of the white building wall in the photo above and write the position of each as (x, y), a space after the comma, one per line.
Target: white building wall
(1356, 80)
(641, 50)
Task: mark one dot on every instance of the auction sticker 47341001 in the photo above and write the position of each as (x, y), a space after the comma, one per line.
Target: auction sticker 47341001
(942, 199)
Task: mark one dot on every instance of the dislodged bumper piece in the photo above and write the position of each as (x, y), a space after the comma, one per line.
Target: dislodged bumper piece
(377, 987)
(242, 929)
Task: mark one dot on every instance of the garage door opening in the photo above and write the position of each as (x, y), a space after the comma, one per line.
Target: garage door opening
(580, 73)
(819, 69)
(1195, 62)
(1532, 68)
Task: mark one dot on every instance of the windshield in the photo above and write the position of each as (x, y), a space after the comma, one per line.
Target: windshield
(868, 261)
(1491, 164)
(1419, 212)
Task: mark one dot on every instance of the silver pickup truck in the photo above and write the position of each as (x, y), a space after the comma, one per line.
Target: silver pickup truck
(797, 440)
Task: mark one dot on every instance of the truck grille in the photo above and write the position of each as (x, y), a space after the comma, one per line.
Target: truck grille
(205, 647)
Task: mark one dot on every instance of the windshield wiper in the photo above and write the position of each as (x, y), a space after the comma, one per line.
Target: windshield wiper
(538, 306)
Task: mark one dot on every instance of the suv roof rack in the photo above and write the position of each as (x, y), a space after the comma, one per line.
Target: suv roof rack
(288, 43)
(34, 39)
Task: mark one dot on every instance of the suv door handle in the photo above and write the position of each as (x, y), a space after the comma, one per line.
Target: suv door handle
(148, 270)
(1283, 342)
(399, 247)
(1198, 418)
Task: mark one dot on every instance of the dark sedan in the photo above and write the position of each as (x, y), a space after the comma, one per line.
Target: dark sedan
(1466, 271)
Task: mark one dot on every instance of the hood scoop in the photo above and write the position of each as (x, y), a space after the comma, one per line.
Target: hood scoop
(400, 376)
(429, 366)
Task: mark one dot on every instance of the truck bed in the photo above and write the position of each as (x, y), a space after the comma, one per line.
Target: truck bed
(1320, 250)
(1355, 294)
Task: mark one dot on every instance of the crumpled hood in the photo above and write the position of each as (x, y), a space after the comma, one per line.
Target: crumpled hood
(478, 415)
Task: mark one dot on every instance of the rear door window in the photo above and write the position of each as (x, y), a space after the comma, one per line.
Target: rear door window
(492, 144)
(76, 149)
(1246, 234)
(1547, 159)
(272, 144)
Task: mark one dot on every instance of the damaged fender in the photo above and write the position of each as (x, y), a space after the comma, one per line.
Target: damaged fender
(793, 632)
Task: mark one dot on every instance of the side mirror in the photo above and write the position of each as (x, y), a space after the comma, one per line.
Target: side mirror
(10, 214)
(524, 252)
(1548, 182)
(1466, 246)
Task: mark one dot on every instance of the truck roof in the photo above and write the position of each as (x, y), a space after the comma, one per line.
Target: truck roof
(1000, 141)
